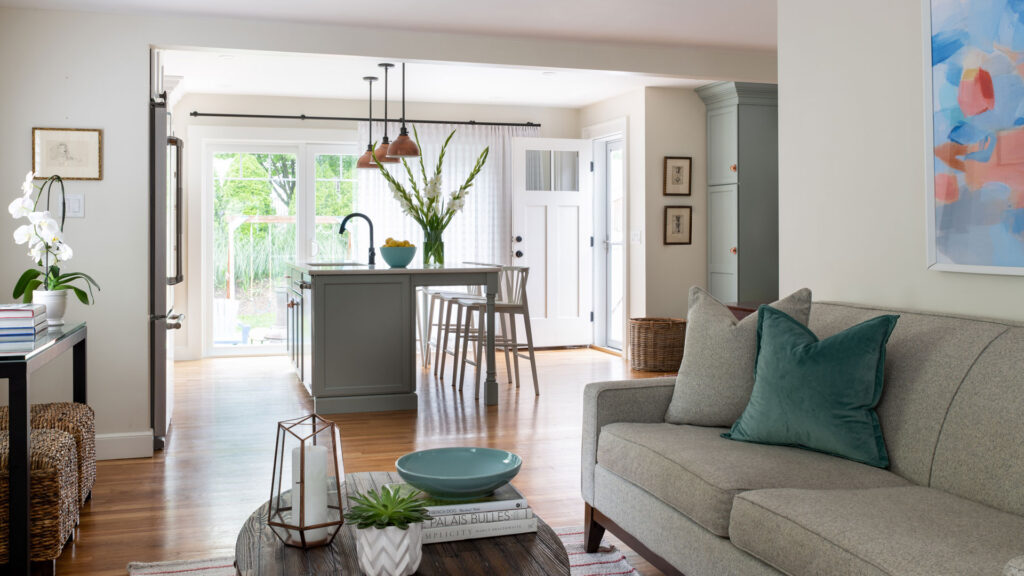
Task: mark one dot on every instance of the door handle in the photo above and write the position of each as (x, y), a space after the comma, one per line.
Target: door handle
(518, 239)
(174, 321)
(519, 253)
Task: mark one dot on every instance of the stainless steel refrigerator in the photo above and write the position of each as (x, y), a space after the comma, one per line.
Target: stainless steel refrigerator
(165, 266)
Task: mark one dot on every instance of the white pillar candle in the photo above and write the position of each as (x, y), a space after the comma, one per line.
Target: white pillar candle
(313, 500)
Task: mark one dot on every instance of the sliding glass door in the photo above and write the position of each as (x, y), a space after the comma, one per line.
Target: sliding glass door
(268, 206)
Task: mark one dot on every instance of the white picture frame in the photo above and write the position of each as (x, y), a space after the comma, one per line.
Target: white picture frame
(71, 153)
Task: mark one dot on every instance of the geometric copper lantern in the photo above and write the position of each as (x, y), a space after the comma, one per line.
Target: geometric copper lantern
(305, 502)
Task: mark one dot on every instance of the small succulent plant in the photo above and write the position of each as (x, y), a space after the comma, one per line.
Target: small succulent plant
(387, 507)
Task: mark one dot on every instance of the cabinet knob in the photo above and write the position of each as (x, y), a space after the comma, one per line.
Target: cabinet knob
(732, 250)
(291, 304)
(732, 168)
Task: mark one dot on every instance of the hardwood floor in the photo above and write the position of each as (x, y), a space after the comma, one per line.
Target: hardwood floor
(190, 500)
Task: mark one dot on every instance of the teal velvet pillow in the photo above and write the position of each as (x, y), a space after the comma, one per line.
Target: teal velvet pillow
(819, 395)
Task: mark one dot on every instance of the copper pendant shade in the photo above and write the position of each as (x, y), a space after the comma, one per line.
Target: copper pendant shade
(382, 151)
(366, 160)
(403, 146)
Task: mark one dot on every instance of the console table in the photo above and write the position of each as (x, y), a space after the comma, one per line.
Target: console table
(16, 365)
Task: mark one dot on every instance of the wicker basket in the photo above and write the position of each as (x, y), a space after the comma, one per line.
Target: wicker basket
(79, 420)
(656, 344)
(54, 493)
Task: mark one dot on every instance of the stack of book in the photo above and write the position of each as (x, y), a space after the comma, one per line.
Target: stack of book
(21, 322)
(501, 514)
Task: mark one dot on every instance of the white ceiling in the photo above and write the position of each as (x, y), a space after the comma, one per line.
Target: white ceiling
(330, 76)
(739, 23)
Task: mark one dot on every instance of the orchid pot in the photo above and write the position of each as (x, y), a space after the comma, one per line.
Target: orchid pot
(56, 302)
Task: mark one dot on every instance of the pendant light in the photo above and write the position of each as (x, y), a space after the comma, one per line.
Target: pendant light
(403, 146)
(366, 160)
(382, 150)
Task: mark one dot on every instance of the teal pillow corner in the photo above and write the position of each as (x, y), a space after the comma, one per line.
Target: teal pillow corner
(818, 394)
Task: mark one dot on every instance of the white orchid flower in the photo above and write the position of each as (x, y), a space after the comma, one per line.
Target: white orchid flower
(27, 187)
(21, 207)
(48, 229)
(64, 252)
(23, 234)
(37, 250)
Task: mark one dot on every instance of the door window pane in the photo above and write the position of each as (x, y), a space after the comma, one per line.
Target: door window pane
(335, 198)
(254, 241)
(552, 170)
(538, 170)
(566, 170)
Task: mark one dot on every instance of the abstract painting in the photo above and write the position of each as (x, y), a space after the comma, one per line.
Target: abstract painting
(975, 49)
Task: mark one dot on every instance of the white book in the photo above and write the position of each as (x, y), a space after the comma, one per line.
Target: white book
(504, 498)
(458, 520)
(485, 530)
(21, 310)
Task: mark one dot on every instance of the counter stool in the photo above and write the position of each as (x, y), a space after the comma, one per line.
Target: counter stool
(79, 420)
(54, 495)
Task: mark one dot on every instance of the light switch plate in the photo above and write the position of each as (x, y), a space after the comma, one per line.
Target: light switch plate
(636, 236)
(75, 205)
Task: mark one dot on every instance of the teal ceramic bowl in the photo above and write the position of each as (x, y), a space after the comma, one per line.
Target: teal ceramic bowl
(399, 256)
(458, 473)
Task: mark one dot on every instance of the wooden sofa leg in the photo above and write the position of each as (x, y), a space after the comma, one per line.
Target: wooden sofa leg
(592, 531)
(44, 567)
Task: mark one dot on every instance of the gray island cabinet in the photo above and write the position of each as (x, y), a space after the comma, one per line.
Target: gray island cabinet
(352, 332)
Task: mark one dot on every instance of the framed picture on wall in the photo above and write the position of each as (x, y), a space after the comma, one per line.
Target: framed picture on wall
(973, 136)
(677, 176)
(71, 153)
(678, 225)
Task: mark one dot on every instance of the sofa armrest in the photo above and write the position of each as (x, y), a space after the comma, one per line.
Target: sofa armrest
(1014, 567)
(644, 400)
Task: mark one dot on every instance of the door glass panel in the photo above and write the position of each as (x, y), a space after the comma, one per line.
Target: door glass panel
(566, 170)
(335, 197)
(538, 170)
(616, 234)
(254, 240)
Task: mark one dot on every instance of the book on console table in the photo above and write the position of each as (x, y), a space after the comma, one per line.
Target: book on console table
(21, 310)
(17, 324)
(28, 334)
(504, 498)
(480, 530)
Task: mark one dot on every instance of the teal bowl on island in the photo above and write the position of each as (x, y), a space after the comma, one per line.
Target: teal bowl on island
(398, 256)
(458, 473)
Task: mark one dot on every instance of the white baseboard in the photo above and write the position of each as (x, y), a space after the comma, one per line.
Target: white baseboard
(124, 445)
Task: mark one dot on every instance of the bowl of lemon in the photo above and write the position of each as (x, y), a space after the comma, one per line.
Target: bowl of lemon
(397, 253)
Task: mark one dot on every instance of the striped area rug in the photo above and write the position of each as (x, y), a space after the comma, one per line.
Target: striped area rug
(607, 561)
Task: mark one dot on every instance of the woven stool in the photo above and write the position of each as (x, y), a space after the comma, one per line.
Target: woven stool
(79, 420)
(54, 493)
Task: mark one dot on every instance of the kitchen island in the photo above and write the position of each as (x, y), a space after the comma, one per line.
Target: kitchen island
(352, 332)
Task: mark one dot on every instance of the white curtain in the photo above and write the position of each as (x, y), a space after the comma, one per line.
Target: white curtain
(481, 231)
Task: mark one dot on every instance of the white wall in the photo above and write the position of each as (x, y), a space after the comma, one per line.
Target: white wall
(676, 120)
(851, 163)
(91, 70)
(555, 123)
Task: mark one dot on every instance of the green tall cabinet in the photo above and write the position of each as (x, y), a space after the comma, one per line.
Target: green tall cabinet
(743, 190)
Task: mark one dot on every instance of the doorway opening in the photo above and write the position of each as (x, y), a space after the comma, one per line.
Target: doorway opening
(609, 242)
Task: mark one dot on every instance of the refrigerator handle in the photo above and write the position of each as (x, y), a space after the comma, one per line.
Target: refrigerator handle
(178, 197)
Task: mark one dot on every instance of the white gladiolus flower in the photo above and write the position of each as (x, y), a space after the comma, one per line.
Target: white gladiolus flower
(23, 234)
(21, 207)
(64, 252)
(27, 187)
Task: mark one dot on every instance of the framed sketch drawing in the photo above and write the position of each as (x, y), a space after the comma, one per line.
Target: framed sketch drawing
(677, 176)
(678, 225)
(71, 153)
(974, 135)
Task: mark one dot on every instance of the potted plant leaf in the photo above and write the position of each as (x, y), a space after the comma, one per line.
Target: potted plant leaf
(46, 283)
(389, 530)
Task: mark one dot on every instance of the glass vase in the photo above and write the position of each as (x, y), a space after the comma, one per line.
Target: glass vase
(433, 248)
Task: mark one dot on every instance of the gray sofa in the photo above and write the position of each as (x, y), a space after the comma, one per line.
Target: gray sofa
(952, 413)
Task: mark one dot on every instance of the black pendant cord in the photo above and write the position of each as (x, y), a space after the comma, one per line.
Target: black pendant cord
(385, 67)
(197, 114)
(404, 131)
(369, 145)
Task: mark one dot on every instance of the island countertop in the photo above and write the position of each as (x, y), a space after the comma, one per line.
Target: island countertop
(347, 268)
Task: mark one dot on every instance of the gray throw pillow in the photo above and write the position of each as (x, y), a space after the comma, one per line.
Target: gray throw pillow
(717, 373)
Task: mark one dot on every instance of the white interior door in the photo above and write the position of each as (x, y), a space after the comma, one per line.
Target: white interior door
(552, 232)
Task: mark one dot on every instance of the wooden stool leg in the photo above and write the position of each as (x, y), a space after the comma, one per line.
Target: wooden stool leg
(529, 346)
(504, 346)
(515, 346)
(442, 350)
(480, 335)
(459, 308)
(429, 329)
(466, 329)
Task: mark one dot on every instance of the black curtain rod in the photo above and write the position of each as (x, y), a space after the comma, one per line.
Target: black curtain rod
(195, 113)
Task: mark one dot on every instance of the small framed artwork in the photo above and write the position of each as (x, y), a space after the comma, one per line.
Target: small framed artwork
(678, 221)
(71, 153)
(677, 176)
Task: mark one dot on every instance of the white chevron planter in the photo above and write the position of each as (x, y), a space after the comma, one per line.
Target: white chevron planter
(391, 551)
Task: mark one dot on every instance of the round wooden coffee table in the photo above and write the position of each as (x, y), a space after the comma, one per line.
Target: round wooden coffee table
(259, 552)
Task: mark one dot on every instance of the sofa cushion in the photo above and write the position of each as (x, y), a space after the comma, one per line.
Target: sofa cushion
(697, 472)
(717, 371)
(817, 394)
(909, 531)
(980, 454)
(925, 361)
